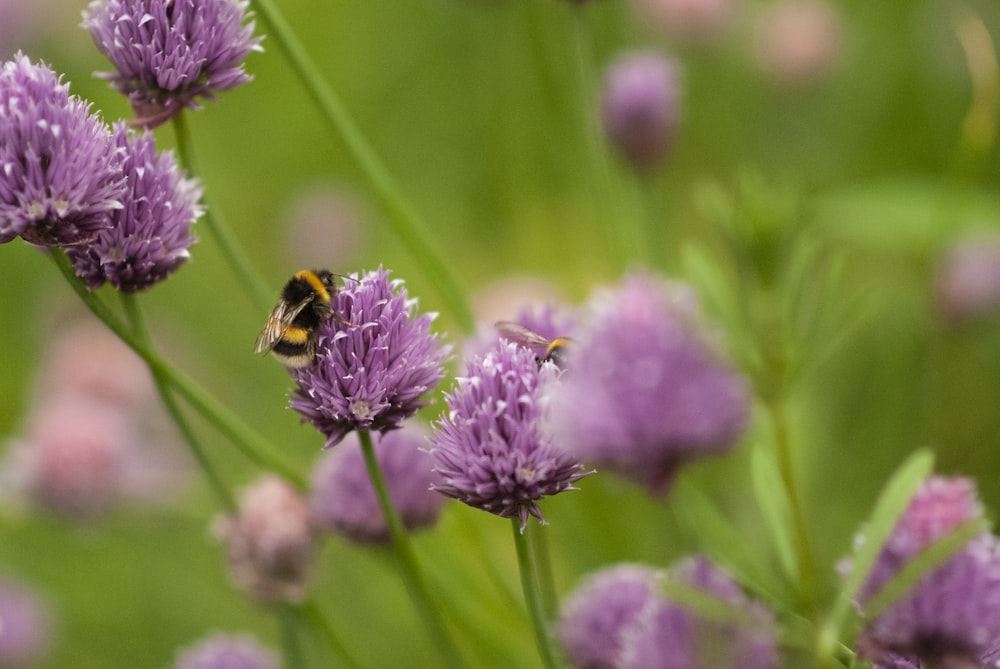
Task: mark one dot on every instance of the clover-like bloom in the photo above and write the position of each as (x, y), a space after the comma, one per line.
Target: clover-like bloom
(227, 651)
(152, 232)
(171, 53)
(643, 392)
(343, 499)
(673, 635)
(641, 107)
(60, 175)
(372, 372)
(951, 617)
(271, 540)
(490, 448)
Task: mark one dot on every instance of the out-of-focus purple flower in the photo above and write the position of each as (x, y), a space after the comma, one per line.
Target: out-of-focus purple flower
(343, 499)
(798, 40)
(271, 541)
(152, 232)
(670, 635)
(951, 617)
(327, 225)
(601, 612)
(968, 280)
(25, 626)
(691, 20)
(372, 373)
(898, 662)
(60, 174)
(227, 651)
(171, 53)
(640, 107)
(490, 448)
(643, 392)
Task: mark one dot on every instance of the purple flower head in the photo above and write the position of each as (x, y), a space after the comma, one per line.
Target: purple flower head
(643, 392)
(170, 53)
(369, 373)
(490, 448)
(669, 635)
(968, 280)
(343, 499)
(597, 615)
(226, 651)
(641, 107)
(898, 662)
(951, 617)
(152, 232)
(25, 625)
(271, 541)
(60, 174)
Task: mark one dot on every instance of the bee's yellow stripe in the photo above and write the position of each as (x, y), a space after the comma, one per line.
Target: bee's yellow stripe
(310, 277)
(295, 336)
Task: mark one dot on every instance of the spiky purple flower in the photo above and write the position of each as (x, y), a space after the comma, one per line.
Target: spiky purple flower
(372, 372)
(152, 232)
(227, 651)
(644, 393)
(171, 53)
(641, 107)
(490, 448)
(60, 175)
(951, 617)
(343, 499)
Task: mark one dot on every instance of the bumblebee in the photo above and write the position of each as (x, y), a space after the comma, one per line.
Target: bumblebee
(555, 349)
(291, 329)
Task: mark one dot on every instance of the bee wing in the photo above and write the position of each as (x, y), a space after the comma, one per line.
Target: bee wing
(278, 322)
(520, 335)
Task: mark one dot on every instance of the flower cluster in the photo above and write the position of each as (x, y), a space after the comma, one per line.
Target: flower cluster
(226, 651)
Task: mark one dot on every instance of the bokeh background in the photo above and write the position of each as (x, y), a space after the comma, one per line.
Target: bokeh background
(870, 131)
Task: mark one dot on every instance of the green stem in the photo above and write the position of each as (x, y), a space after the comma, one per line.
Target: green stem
(311, 611)
(402, 215)
(532, 597)
(253, 445)
(412, 576)
(543, 570)
(291, 643)
(141, 333)
(258, 291)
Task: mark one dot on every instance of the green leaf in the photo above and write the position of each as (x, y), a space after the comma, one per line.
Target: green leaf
(775, 507)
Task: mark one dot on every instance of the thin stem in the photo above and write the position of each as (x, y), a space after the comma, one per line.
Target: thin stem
(532, 597)
(252, 444)
(402, 215)
(412, 576)
(311, 611)
(291, 643)
(543, 570)
(141, 333)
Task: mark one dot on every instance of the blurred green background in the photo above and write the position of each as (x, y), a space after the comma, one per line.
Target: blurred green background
(477, 109)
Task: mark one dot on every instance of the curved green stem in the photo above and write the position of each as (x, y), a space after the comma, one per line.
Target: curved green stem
(252, 444)
(539, 541)
(402, 215)
(533, 597)
(141, 333)
(412, 576)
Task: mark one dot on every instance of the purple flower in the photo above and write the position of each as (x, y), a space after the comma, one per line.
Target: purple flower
(490, 448)
(369, 373)
(669, 635)
(226, 651)
(343, 499)
(597, 615)
(169, 53)
(968, 280)
(152, 232)
(644, 393)
(271, 540)
(25, 625)
(951, 617)
(641, 107)
(60, 175)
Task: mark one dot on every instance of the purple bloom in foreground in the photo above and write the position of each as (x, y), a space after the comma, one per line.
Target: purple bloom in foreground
(643, 392)
(951, 617)
(602, 610)
(641, 107)
(170, 53)
(152, 232)
(369, 374)
(343, 498)
(490, 448)
(25, 626)
(60, 175)
(227, 651)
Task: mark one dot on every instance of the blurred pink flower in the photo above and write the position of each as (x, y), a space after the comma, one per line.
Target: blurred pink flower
(798, 40)
(968, 280)
(25, 626)
(325, 224)
(692, 20)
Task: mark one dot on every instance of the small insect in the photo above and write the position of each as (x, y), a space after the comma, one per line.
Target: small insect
(291, 329)
(555, 349)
